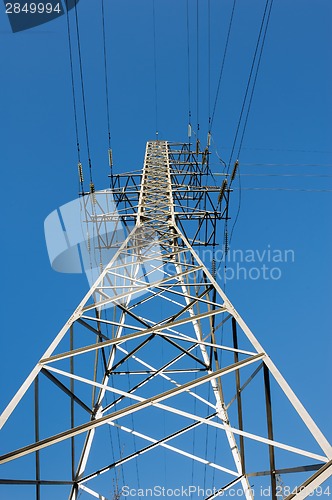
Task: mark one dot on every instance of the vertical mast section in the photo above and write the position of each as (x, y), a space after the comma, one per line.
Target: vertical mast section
(156, 209)
(155, 204)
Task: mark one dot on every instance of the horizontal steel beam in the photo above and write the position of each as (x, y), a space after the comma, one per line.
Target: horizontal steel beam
(130, 336)
(306, 488)
(123, 412)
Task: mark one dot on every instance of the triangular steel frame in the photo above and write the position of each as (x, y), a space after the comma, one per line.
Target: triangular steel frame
(157, 265)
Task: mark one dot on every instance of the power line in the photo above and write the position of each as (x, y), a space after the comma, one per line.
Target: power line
(282, 150)
(155, 66)
(81, 180)
(83, 97)
(209, 62)
(249, 81)
(285, 189)
(287, 164)
(188, 69)
(267, 11)
(300, 174)
(106, 74)
(222, 64)
(197, 67)
(287, 175)
(255, 79)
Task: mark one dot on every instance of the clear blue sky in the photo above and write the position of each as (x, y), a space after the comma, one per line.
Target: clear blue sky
(289, 123)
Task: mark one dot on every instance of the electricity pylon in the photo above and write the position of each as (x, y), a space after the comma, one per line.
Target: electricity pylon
(156, 365)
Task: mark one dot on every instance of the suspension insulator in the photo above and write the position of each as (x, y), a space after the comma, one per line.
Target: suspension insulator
(88, 242)
(209, 139)
(110, 158)
(222, 190)
(236, 164)
(197, 146)
(226, 242)
(205, 155)
(80, 172)
(214, 268)
(189, 130)
(92, 192)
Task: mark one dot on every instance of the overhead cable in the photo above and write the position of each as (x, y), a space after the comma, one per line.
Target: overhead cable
(83, 98)
(79, 164)
(188, 69)
(106, 74)
(266, 14)
(222, 65)
(155, 66)
(255, 78)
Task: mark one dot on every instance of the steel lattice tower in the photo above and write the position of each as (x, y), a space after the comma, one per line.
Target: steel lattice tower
(157, 339)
